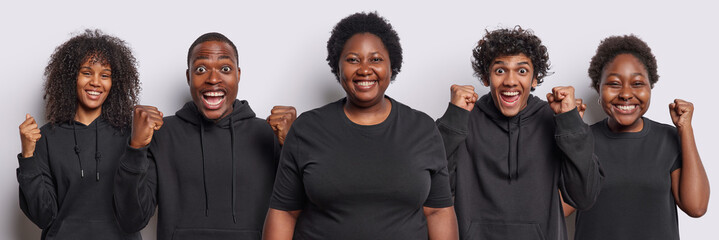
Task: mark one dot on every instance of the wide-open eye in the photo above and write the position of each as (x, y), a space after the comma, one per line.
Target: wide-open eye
(201, 69)
(499, 71)
(226, 69)
(523, 71)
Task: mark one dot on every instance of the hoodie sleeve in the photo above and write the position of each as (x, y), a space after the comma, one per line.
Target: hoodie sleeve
(453, 127)
(135, 189)
(38, 199)
(581, 173)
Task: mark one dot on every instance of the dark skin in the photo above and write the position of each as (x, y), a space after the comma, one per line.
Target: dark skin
(213, 76)
(625, 93)
(365, 74)
(94, 81)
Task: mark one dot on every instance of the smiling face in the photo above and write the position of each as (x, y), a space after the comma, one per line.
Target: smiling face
(94, 81)
(213, 76)
(625, 93)
(511, 79)
(365, 70)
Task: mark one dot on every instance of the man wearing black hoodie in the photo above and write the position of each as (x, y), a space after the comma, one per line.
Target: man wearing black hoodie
(510, 153)
(211, 167)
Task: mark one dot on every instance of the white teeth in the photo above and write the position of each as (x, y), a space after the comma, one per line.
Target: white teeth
(510, 93)
(626, 107)
(94, 93)
(214, 94)
(365, 83)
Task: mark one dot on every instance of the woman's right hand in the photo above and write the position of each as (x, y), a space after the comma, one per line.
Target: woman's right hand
(29, 134)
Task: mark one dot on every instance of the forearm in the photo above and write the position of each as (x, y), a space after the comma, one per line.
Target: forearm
(134, 190)
(37, 192)
(580, 168)
(693, 181)
(441, 223)
(280, 224)
(453, 126)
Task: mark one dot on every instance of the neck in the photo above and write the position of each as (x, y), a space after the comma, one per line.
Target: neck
(368, 115)
(636, 126)
(86, 116)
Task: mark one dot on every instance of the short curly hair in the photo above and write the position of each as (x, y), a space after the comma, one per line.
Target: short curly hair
(364, 23)
(60, 88)
(612, 46)
(509, 42)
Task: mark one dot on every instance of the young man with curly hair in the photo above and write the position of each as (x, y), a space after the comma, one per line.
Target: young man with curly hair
(510, 153)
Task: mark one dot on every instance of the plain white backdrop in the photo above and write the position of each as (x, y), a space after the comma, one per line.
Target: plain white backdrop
(282, 47)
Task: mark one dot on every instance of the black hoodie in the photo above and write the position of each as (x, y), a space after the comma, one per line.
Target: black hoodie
(506, 171)
(210, 180)
(66, 186)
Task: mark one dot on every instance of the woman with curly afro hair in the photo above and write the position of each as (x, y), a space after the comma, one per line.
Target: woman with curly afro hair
(651, 168)
(365, 166)
(67, 166)
(509, 152)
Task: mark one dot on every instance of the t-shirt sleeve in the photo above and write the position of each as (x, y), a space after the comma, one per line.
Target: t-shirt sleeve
(440, 195)
(288, 193)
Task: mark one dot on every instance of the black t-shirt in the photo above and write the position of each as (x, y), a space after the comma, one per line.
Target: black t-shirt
(636, 201)
(362, 182)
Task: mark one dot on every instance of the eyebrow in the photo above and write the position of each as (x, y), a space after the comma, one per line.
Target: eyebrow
(503, 63)
(619, 75)
(201, 57)
(104, 69)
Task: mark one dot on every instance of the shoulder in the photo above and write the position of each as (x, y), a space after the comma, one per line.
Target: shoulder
(409, 114)
(319, 115)
(660, 129)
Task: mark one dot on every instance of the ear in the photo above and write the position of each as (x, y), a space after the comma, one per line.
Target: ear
(485, 81)
(187, 75)
(534, 82)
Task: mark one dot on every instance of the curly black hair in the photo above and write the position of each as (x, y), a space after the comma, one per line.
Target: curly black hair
(62, 70)
(212, 36)
(612, 46)
(364, 23)
(508, 42)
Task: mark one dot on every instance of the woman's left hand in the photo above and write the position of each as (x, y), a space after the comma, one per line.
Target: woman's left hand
(681, 112)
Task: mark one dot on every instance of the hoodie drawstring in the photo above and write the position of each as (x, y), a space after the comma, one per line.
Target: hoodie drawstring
(98, 155)
(77, 150)
(204, 168)
(204, 172)
(232, 158)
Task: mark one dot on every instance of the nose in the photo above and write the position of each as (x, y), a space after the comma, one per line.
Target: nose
(214, 77)
(625, 93)
(95, 80)
(364, 69)
(511, 80)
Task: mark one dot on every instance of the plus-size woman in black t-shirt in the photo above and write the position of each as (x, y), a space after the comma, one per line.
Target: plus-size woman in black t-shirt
(366, 166)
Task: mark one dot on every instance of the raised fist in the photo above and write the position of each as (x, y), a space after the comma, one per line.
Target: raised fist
(463, 96)
(29, 134)
(681, 112)
(561, 100)
(145, 121)
(281, 119)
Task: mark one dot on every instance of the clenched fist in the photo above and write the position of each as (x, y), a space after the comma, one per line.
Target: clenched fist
(29, 134)
(561, 100)
(463, 96)
(145, 121)
(281, 119)
(681, 112)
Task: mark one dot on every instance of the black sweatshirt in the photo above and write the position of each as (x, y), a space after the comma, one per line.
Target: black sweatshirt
(636, 201)
(362, 182)
(68, 193)
(209, 180)
(505, 172)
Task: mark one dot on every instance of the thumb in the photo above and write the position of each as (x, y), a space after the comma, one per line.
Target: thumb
(27, 116)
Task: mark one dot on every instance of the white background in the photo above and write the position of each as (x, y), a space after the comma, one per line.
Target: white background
(282, 47)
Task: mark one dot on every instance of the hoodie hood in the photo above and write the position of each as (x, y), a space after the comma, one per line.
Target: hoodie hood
(240, 110)
(512, 126)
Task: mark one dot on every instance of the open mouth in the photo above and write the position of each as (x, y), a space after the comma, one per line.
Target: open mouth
(625, 109)
(509, 97)
(213, 99)
(365, 84)
(92, 94)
